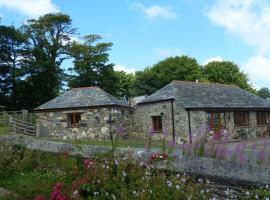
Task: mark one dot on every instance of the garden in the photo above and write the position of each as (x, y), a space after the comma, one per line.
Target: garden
(37, 175)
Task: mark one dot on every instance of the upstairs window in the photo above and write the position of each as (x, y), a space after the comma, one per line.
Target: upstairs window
(157, 123)
(263, 118)
(241, 118)
(74, 119)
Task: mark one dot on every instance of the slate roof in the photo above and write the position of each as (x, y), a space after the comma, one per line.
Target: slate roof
(82, 97)
(208, 95)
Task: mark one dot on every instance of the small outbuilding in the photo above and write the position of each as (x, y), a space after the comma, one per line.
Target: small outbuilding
(86, 112)
(186, 109)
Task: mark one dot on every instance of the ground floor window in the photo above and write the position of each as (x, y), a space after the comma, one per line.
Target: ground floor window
(74, 119)
(216, 120)
(263, 118)
(241, 118)
(157, 123)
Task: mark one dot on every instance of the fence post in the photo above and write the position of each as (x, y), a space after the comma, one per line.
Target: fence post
(4, 118)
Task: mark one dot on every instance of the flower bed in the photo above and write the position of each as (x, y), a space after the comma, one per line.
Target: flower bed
(40, 176)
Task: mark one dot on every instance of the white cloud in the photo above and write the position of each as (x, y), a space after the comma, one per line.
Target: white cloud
(129, 70)
(247, 19)
(30, 8)
(217, 58)
(167, 52)
(155, 11)
(258, 68)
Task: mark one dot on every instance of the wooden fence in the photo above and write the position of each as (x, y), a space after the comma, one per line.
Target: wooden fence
(20, 122)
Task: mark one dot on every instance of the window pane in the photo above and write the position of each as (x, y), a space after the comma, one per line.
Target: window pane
(241, 118)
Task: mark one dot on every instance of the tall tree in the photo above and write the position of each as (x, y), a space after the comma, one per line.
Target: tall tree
(174, 68)
(91, 67)
(12, 44)
(264, 93)
(226, 72)
(50, 38)
(125, 84)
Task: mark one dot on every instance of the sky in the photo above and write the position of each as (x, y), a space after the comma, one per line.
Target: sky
(144, 32)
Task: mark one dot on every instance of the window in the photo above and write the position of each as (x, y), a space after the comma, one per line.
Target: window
(241, 118)
(74, 119)
(216, 120)
(157, 123)
(263, 118)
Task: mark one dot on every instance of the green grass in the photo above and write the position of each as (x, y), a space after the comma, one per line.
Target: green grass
(3, 130)
(121, 143)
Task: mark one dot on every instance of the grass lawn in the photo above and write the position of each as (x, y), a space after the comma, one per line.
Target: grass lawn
(3, 130)
(130, 142)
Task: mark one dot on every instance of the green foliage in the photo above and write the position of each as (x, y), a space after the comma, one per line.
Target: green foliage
(226, 72)
(49, 41)
(91, 67)
(264, 93)
(12, 45)
(182, 68)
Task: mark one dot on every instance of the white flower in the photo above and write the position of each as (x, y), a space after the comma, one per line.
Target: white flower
(75, 192)
(116, 162)
(169, 183)
(177, 175)
(266, 186)
(267, 198)
(134, 192)
(256, 196)
(199, 180)
(114, 197)
(247, 192)
(183, 180)
(124, 173)
(177, 187)
(202, 191)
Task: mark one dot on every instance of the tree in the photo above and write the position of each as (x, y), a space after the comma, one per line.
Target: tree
(91, 67)
(125, 84)
(50, 38)
(226, 72)
(182, 68)
(264, 93)
(12, 44)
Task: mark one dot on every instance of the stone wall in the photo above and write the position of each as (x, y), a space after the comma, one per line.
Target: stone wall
(142, 122)
(93, 123)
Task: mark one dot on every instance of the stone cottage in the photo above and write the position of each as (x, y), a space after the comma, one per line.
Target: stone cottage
(186, 109)
(87, 112)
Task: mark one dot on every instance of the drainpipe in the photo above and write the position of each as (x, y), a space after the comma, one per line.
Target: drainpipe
(189, 126)
(173, 126)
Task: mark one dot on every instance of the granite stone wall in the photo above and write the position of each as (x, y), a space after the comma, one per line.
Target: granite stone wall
(142, 122)
(93, 123)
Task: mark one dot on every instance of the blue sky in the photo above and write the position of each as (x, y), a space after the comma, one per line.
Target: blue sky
(146, 31)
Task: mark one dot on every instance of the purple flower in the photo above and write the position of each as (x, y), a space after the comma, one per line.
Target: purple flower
(119, 130)
(253, 146)
(206, 151)
(165, 132)
(172, 143)
(151, 132)
(242, 159)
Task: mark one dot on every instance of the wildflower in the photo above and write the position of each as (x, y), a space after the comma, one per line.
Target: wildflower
(183, 180)
(267, 198)
(151, 132)
(116, 162)
(199, 180)
(253, 146)
(242, 158)
(169, 183)
(165, 132)
(172, 143)
(119, 130)
(134, 192)
(124, 173)
(256, 196)
(266, 186)
(114, 197)
(247, 192)
(177, 175)
(177, 187)
(88, 163)
(40, 198)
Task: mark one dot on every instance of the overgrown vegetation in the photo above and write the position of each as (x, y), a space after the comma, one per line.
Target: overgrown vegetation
(38, 175)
